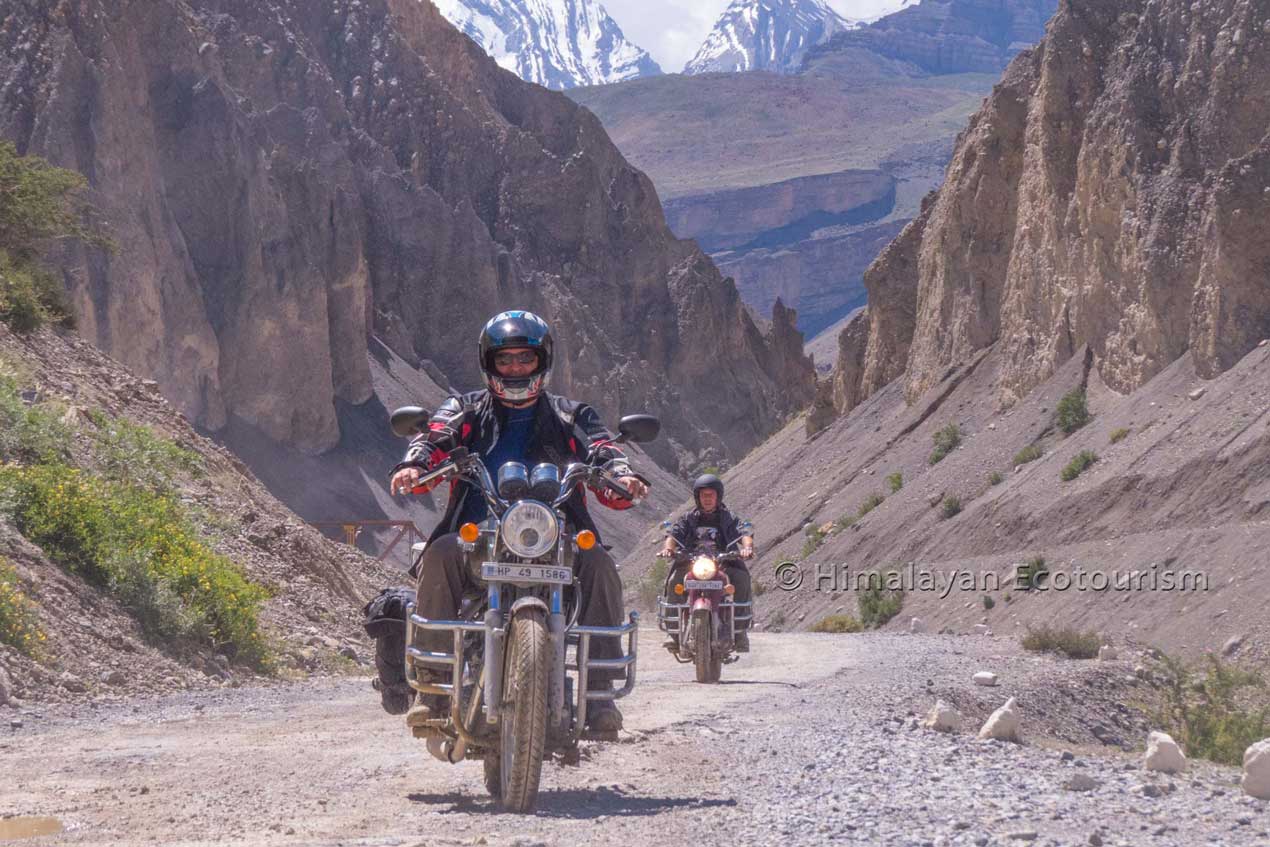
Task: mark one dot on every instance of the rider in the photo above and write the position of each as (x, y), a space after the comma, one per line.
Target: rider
(712, 515)
(515, 420)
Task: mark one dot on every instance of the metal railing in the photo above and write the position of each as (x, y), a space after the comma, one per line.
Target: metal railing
(353, 529)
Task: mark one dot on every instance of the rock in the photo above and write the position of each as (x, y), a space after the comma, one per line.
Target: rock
(348, 653)
(1107, 653)
(917, 626)
(1154, 789)
(1141, 672)
(15, 723)
(6, 687)
(982, 629)
(1232, 645)
(1163, 754)
(1081, 782)
(1095, 840)
(72, 683)
(1256, 778)
(1197, 393)
(943, 718)
(1003, 724)
(987, 678)
(115, 677)
(935, 499)
(1022, 835)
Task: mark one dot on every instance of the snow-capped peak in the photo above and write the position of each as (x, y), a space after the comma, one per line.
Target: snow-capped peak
(766, 35)
(556, 43)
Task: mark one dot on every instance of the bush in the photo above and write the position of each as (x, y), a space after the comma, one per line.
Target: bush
(1216, 716)
(837, 624)
(878, 602)
(895, 482)
(18, 626)
(1033, 574)
(654, 582)
(995, 478)
(1030, 453)
(132, 453)
(845, 522)
(140, 547)
(1065, 641)
(951, 507)
(40, 203)
(815, 538)
(1073, 411)
(30, 435)
(870, 503)
(988, 602)
(946, 441)
(1078, 465)
(777, 620)
(1119, 435)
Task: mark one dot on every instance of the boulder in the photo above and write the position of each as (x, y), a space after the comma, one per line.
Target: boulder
(1256, 779)
(943, 718)
(1164, 754)
(1003, 724)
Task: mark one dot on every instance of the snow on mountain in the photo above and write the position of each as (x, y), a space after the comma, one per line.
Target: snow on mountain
(773, 35)
(555, 43)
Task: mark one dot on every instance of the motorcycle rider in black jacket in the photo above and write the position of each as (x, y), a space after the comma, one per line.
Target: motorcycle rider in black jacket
(515, 419)
(712, 516)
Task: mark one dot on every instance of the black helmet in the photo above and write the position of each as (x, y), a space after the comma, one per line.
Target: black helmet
(516, 329)
(707, 481)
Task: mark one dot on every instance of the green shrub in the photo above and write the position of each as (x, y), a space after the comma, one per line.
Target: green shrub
(1073, 411)
(951, 507)
(140, 547)
(1078, 465)
(845, 522)
(654, 582)
(1065, 641)
(30, 435)
(777, 620)
(1119, 435)
(1216, 716)
(40, 203)
(870, 503)
(18, 625)
(837, 624)
(1032, 574)
(1030, 453)
(815, 538)
(988, 602)
(132, 453)
(895, 482)
(879, 602)
(995, 478)
(946, 441)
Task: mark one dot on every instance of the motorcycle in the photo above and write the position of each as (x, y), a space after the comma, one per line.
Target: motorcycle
(512, 692)
(703, 627)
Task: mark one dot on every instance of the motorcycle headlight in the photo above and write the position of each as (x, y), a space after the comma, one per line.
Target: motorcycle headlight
(704, 568)
(530, 529)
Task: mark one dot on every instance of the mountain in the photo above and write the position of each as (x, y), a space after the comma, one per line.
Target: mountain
(771, 35)
(947, 36)
(794, 182)
(1101, 230)
(556, 43)
(316, 206)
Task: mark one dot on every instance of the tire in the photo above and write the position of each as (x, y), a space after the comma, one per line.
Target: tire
(523, 716)
(709, 664)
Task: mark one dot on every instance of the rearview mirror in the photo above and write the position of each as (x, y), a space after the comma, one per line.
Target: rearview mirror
(638, 428)
(410, 420)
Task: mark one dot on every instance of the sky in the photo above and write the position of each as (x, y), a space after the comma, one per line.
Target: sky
(672, 30)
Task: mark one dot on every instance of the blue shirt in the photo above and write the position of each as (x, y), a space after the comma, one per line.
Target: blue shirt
(512, 446)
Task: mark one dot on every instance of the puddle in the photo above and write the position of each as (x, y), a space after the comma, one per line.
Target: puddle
(12, 829)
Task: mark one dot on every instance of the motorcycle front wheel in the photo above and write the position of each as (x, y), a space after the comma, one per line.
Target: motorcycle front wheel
(709, 663)
(523, 715)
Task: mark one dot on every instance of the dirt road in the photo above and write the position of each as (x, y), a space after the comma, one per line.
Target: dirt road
(809, 740)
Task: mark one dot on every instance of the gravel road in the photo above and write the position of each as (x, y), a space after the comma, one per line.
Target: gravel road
(809, 740)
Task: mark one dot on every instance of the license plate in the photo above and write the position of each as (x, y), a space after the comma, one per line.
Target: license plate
(501, 572)
(698, 585)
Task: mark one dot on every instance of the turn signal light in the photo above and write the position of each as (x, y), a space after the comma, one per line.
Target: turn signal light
(679, 589)
(586, 539)
(469, 532)
(729, 590)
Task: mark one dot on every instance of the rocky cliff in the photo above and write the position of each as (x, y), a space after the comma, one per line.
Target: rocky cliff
(287, 179)
(1112, 192)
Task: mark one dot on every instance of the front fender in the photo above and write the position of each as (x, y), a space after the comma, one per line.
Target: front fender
(525, 603)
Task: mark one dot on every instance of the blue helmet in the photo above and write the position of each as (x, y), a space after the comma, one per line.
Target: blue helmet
(512, 330)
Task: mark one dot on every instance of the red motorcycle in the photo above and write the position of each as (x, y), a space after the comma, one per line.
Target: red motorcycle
(703, 627)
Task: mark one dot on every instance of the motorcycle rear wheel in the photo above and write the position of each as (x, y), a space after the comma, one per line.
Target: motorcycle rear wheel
(523, 716)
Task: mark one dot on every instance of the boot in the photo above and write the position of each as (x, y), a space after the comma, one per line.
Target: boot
(741, 643)
(396, 699)
(602, 716)
(427, 707)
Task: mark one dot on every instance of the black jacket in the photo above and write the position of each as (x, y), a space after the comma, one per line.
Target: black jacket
(685, 529)
(563, 432)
